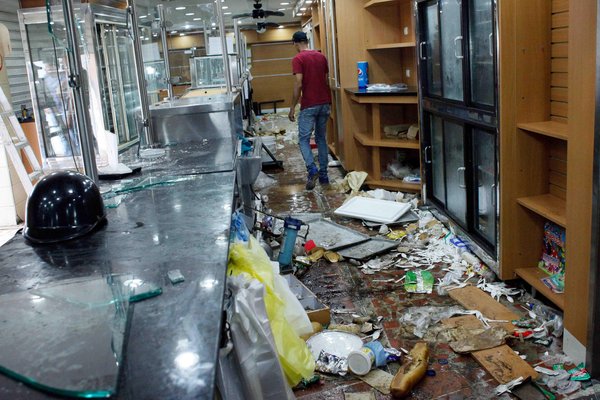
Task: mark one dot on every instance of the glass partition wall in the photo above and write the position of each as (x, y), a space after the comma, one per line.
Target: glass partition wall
(108, 80)
(193, 41)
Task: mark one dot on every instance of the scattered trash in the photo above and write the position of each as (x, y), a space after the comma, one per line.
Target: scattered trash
(378, 379)
(506, 387)
(419, 281)
(498, 289)
(411, 373)
(339, 344)
(561, 383)
(579, 373)
(371, 354)
(175, 276)
(353, 181)
(331, 364)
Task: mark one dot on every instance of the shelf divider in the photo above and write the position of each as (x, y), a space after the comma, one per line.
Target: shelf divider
(548, 206)
(557, 130)
(365, 140)
(385, 46)
(533, 276)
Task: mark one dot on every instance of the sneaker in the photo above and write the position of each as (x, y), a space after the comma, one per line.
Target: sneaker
(324, 180)
(312, 179)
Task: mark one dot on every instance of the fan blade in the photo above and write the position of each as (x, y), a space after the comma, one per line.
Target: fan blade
(274, 13)
(246, 15)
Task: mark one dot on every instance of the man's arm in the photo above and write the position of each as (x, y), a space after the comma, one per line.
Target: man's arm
(295, 96)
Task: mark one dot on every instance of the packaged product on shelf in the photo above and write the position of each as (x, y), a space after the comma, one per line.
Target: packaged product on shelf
(553, 254)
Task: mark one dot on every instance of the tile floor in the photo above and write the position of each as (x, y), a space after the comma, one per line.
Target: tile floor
(344, 286)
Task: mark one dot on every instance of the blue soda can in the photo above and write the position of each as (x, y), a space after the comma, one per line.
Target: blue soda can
(363, 74)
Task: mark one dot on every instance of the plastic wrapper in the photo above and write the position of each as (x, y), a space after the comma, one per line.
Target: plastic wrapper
(418, 281)
(423, 317)
(553, 318)
(330, 364)
(295, 357)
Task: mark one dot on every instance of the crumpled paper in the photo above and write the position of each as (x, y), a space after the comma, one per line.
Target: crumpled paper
(353, 181)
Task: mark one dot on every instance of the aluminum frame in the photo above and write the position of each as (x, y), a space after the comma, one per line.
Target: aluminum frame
(91, 15)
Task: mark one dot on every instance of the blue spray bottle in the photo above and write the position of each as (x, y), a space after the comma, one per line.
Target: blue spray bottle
(291, 226)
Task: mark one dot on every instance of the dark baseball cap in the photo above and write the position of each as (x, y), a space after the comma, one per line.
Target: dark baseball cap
(299, 37)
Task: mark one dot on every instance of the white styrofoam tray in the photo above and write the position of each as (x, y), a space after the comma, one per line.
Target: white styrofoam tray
(375, 210)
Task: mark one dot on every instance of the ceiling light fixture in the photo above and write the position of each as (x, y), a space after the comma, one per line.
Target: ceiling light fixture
(189, 13)
(224, 7)
(197, 19)
(180, 8)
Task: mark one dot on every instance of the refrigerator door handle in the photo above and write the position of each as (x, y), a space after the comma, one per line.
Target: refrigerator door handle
(421, 52)
(494, 195)
(426, 152)
(491, 43)
(461, 173)
(458, 47)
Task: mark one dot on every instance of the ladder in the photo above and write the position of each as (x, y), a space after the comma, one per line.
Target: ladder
(13, 139)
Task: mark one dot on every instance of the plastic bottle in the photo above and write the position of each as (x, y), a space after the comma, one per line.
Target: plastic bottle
(360, 362)
(291, 226)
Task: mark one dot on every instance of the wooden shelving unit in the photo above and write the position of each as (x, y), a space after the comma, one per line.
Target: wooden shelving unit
(557, 130)
(367, 140)
(374, 99)
(392, 184)
(548, 206)
(387, 46)
(533, 276)
(379, 3)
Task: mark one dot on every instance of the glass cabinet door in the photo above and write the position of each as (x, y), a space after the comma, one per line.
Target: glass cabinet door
(452, 53)
(53, 97)
(429, 48)
(481, 51)
(456, 182)
(484, 156)
(438, 189)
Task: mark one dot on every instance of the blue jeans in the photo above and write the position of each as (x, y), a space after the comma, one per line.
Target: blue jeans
(309, 118)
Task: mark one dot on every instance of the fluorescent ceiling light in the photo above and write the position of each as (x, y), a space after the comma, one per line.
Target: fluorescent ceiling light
(224, 7)
(281, 27)
(180, 8)
(182, 34)
(227, 13)
(285, 4)
(302, 8)
(214, 24)
(173, 32)
(189, 13)
(143, 16)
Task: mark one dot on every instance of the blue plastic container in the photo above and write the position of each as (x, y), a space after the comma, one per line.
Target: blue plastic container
(363, 74)
(290, 233)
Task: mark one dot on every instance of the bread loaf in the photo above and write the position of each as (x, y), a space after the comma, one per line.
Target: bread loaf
(412, 372)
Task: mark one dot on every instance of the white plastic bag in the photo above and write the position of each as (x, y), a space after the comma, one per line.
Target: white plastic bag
(294, 312)
(253, 341)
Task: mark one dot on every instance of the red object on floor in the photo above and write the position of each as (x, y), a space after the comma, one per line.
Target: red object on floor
(313, 144)
(308, 246)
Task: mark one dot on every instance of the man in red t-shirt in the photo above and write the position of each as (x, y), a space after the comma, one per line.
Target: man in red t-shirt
(310, 70)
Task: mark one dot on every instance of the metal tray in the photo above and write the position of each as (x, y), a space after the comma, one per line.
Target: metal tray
(366, 250)
(331, 236)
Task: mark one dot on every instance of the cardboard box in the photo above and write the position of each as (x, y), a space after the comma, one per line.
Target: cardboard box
(316, 311)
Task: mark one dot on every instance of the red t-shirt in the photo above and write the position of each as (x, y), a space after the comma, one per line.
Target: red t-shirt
(314, 69)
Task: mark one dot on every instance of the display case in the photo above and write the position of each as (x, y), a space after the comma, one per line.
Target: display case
(208, 71)
(109, 80)
(458, 86)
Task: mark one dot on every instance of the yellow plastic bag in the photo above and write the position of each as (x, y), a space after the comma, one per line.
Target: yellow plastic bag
(295, 357)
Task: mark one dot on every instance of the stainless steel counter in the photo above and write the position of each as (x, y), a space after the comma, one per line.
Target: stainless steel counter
(182, 226)
(197, 118)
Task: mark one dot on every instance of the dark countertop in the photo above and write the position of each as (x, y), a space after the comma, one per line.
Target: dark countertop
(182, 226)
(211, 155)
(410, 91)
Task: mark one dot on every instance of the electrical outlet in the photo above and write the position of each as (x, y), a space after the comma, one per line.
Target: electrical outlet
(408, 73)
(406, 31)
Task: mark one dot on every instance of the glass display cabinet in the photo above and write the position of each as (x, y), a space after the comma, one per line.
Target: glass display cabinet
(109, 79)
(458, 84)
(208, 71)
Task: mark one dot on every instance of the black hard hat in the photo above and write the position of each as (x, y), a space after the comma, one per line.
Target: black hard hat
(63, 205)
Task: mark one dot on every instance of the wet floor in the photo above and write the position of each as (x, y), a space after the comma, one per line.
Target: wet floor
(344, 287)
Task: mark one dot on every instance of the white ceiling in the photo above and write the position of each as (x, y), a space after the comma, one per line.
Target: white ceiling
(186, 15)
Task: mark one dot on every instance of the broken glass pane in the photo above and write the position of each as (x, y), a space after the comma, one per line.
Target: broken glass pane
(68, 338)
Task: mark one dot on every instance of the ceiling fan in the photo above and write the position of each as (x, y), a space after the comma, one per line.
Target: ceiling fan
(259, 13)
(261, 27)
